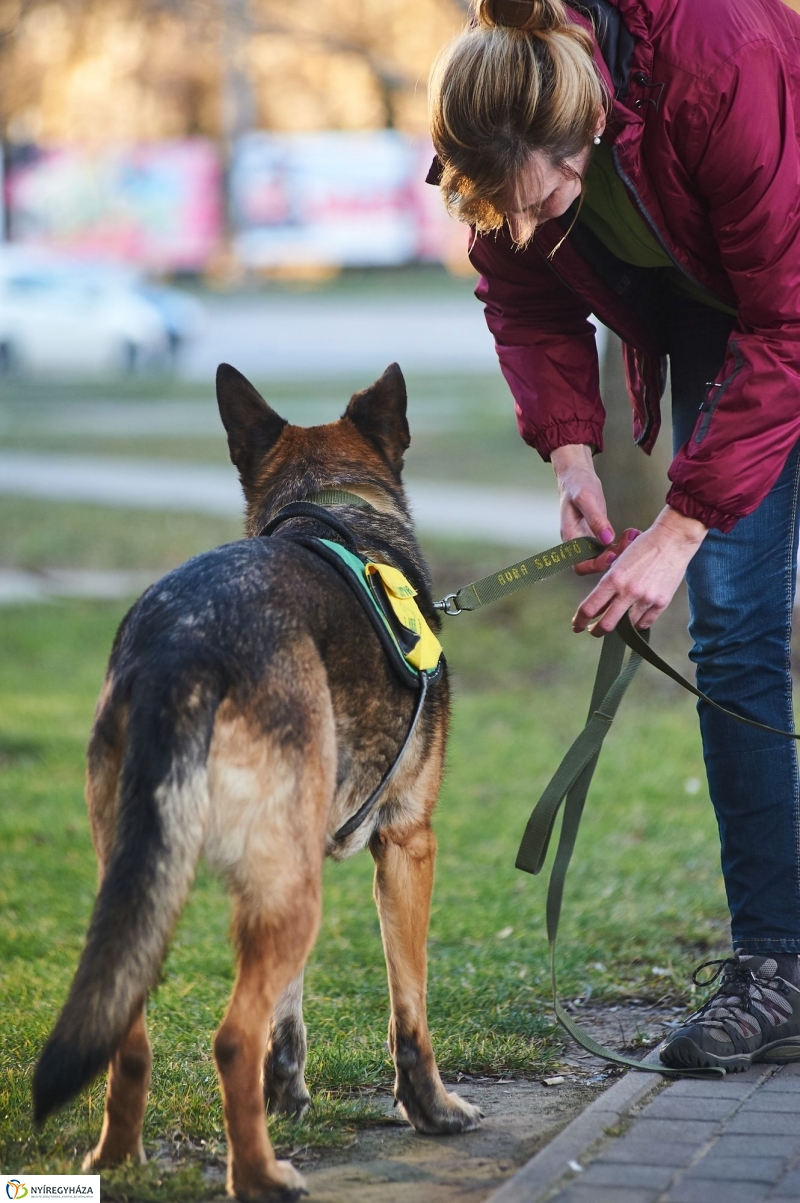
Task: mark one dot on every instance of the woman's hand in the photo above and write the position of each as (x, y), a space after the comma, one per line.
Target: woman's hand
(583, 506)
(644, 577)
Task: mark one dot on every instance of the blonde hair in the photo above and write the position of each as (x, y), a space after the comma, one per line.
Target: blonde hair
(520, 78)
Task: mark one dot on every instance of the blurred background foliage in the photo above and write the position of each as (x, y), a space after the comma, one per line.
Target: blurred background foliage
(174, 68)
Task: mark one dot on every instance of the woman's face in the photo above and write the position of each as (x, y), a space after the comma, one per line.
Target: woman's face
(545, 191)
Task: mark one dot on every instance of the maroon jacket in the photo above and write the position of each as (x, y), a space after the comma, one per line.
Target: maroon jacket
(705, 132)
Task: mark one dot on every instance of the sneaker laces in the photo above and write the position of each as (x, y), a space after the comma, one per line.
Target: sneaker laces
(744, 994)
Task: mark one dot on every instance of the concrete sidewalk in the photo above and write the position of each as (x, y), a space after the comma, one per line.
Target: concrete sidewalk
(513, 518)
(729, 1140)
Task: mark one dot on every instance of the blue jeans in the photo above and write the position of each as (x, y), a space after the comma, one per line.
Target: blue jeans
(741, 593)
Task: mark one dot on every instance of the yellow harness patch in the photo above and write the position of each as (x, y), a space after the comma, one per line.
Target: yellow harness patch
(427, 651)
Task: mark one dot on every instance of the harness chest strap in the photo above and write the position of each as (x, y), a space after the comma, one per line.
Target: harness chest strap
(413, 646)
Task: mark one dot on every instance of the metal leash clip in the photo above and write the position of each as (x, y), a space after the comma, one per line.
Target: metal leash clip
(449, 605)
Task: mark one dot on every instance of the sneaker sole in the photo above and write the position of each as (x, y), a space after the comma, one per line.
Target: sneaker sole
(685, 1054)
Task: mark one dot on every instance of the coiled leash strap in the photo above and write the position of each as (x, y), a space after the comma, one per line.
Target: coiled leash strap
(570, 784)
(637, 642)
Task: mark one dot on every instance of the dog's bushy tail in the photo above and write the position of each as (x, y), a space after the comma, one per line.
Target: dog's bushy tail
(160, 827)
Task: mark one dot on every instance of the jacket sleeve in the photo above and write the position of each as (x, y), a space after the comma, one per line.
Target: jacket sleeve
(743, 154)
(545, 345)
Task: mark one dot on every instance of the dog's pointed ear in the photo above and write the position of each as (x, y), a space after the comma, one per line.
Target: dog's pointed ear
(379, 413)
(253, 428)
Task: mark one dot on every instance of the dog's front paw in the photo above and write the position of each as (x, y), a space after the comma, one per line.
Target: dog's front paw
(445, 1114)
(466, 1116)
(286, 1096)
(283, 1185)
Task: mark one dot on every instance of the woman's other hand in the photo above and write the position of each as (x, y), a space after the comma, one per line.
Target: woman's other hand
(644, 578)
(583, 506)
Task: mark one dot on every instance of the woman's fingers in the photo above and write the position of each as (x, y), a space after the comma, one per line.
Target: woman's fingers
(644, 578)
(603, 562)
(583, 506)
(599, 564)
(583, 514)
(647, 619)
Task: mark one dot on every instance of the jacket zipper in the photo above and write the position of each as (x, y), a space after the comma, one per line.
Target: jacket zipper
(654, 229)
(709, 406)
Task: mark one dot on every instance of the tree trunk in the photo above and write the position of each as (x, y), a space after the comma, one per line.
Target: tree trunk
(635, 484)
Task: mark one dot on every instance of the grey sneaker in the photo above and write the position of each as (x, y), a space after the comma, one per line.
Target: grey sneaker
(754, 1015)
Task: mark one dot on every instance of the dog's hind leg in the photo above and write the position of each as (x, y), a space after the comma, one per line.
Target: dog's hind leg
(404, 860)
(270, 801)
(126, 1099)
(272, 948)
(285, 1090)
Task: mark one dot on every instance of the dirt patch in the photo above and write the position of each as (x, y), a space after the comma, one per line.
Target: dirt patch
(391, 1163)
(633, 1028)
(387, 1162)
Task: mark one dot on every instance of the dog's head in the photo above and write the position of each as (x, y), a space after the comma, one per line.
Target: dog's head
(278, 463)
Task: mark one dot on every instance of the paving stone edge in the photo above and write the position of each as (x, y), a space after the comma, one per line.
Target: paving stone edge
(546, 1169)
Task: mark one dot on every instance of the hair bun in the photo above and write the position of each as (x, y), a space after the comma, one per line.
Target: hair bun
(528, 16)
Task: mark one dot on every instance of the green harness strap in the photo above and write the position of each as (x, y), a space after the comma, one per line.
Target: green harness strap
(360, 579)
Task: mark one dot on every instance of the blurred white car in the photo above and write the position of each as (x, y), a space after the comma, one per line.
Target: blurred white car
(181, 314)
(58, 315)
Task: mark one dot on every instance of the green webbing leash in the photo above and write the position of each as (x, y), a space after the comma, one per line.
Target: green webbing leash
(570, 784)
(526, 572)
(638, 644)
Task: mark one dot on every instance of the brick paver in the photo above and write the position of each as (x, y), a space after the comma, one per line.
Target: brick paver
(732, 1140)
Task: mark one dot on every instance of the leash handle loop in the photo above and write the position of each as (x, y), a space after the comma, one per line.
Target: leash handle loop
(570, 786)
(635, 641)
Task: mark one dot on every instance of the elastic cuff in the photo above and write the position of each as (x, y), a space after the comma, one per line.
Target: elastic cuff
(690, 507)
(561, 434)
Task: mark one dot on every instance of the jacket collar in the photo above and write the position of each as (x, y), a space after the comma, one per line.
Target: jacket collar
(615, 41)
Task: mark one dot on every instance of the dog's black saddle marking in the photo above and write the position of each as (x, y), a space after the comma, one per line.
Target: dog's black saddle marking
(377, 608)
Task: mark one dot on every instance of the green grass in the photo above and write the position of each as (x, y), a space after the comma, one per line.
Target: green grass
(462, 426)
(644, 890)
(39, 534)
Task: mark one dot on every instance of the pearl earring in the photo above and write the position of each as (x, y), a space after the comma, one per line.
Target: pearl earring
(596, 139)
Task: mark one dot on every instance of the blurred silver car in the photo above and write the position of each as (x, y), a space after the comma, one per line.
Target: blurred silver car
(58, 315)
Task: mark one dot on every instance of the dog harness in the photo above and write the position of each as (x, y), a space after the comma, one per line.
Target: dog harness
(387, 599)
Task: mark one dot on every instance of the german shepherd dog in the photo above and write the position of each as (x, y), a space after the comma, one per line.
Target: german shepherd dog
(247, 712)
